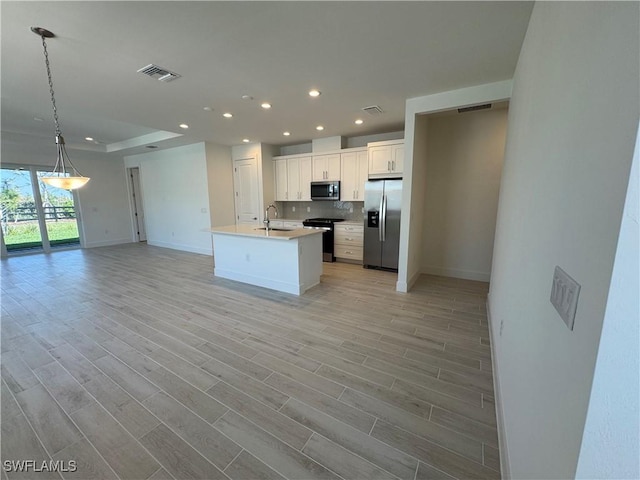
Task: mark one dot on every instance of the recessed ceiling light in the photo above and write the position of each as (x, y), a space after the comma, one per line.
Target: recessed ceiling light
(359, 121)
(319, 128)
(184, 125)
(247, 97)
(227, 115)
(286, 134)
(245, 140)
(266, 106)
(89, 139)
(208, 109)
(314, 93)
(38, 119)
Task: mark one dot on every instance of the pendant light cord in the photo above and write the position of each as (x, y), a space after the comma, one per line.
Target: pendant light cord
(53, 98)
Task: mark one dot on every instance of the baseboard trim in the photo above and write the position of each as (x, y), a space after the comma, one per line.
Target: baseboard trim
(184, 248)
(455, 273)
(505, 465)
(107, 243)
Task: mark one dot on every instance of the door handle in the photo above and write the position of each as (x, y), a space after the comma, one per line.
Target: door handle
(380, 221)
(383, 222)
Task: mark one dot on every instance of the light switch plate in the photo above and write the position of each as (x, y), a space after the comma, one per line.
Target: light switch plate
(564, 296)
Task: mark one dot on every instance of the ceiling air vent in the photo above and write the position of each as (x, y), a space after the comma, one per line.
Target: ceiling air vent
(373, 110)
(162, 74)
(474, 108)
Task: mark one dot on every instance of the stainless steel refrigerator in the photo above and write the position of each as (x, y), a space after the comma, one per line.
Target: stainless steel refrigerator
(382, 203)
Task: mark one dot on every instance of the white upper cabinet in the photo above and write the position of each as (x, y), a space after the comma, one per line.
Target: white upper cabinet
(353, 176)
(386, 159)
(293, 178)
(281, 179)
(306, 175)
(326, 167)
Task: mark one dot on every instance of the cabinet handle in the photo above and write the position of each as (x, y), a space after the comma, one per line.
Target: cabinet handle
(286, 195)
(348, 252)
(347, 238)
(393, 165)
(388, 166)
(354, 194)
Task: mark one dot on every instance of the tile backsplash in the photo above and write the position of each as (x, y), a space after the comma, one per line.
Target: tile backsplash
(347, 210)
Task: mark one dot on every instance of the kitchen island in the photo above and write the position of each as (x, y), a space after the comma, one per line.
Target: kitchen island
(281, 259)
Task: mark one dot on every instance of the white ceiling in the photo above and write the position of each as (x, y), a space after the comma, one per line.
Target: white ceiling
(356, 53)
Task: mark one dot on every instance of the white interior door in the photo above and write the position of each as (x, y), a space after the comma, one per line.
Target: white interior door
(245, 175)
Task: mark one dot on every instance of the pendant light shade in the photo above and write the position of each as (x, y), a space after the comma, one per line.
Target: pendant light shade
(64, 175)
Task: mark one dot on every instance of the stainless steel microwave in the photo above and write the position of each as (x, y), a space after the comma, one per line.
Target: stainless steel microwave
(325, 190)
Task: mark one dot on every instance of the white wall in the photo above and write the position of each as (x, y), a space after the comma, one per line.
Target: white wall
(176, 197)
(462, 182)
(103, 202)
(220, 184)
(572, 125)
(610, 446)
(410, 261)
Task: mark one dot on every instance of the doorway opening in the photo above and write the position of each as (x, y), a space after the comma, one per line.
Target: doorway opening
(35, 216)
(136, 202)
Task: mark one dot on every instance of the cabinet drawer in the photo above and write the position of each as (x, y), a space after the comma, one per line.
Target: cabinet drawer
(350, 252)
(349, 238)
(349, 228)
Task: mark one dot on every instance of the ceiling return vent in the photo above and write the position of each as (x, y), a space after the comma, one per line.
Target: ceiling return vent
(162, 74)
(474, 108)
(373, 110)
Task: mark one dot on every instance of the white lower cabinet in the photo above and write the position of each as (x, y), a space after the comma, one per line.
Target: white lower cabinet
(348, 241)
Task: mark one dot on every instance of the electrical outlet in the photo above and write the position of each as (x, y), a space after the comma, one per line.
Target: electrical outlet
(293, 209)
(564, 296)
(308, 209)
(351, 210)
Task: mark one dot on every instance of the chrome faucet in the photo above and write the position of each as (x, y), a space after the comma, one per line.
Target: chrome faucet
(266, 215)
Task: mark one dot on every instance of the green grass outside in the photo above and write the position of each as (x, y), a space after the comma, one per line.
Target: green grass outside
(27, 234)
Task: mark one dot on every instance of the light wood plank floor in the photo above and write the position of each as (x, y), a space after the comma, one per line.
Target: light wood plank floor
(135, 362)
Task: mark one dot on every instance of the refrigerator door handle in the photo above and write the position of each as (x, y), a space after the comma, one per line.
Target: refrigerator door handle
(380, 221)
(383, 220)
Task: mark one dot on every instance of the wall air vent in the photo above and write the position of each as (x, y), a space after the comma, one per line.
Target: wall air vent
(373, 110)
(162, 74)
(474, 108)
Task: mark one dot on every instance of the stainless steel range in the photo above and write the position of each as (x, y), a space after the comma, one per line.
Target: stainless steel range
(325, 224)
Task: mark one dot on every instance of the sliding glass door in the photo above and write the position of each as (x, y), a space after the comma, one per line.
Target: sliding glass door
(35, 216)
(59, 211)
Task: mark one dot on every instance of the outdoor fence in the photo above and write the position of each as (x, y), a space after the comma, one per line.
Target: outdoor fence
(30, 214)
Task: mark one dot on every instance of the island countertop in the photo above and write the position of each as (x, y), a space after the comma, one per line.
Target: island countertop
(255, 232)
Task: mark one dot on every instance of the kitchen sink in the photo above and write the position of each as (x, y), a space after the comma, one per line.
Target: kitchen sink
(275, 229)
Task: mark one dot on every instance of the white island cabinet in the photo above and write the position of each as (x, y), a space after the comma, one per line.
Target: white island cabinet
(285, 260)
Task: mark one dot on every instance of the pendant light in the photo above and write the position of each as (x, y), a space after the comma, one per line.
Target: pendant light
(64, 175)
